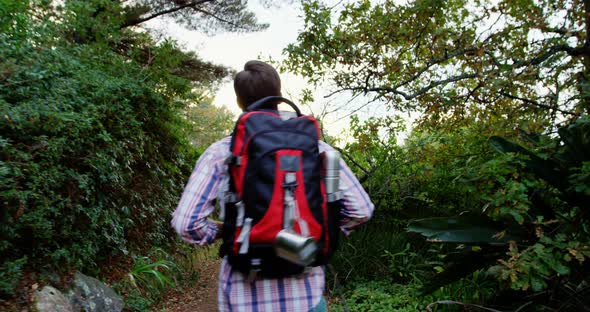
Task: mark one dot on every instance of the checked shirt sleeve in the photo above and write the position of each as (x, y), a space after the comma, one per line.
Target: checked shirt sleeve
(358, 207)
(190, 219)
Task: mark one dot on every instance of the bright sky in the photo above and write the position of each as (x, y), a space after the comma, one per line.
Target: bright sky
(234, 50)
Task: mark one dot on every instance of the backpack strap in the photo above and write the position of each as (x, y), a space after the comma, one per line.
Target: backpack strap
(264, 101)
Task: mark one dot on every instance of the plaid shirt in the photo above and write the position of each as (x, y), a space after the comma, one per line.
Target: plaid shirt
(208, 182)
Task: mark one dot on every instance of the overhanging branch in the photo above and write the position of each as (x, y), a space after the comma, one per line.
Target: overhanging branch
(138, 21)
(537, 104)
(501, 67)
(436, 61)
(430, 86)
(405, 95)
(217, 17)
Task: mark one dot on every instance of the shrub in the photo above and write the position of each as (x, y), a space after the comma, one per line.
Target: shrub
(382, 296)
(93, 147)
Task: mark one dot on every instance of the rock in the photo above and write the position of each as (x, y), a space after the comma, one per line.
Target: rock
(49, 299)
(91, 295)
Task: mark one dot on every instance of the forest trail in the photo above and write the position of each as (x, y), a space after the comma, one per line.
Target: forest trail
(201, 297)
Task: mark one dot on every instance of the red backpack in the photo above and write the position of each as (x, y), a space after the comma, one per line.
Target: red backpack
(277, 218)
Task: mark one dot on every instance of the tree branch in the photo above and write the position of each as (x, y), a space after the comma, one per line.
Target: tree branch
(365, 171)
(405, 95)
(217, 17)
(435, 61)
(577, 51)
(432, 85)
(561, 31)
(535, 103)
(138, 21)
(543, 57)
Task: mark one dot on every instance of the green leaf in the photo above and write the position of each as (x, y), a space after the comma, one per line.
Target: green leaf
(547, 170)
(561, 269)
(537, 283)
(469, 230)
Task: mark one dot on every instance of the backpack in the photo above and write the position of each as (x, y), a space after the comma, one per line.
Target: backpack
(276, 207)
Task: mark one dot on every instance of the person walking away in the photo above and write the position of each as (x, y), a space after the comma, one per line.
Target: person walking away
(209, 183)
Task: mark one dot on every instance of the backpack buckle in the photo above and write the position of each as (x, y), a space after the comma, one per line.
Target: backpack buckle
(233, 160)
(290, 181)
(244, 237)
(254, 269)
(231, 197)
(241, 213)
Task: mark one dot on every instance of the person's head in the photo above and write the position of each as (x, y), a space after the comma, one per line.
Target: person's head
(256, 81)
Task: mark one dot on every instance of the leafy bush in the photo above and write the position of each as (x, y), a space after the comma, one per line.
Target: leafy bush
(382, 296)
(10, 274)
(539, 202)
(456, 175)
(422, 177)
(386, 295)
(94, 147)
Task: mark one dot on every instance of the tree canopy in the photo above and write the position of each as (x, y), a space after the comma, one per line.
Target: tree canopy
(484, 77)
(453, 60)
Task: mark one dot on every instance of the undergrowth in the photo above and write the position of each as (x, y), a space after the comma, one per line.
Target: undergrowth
(159, 274)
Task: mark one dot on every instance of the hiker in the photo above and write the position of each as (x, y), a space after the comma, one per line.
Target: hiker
(254, 286)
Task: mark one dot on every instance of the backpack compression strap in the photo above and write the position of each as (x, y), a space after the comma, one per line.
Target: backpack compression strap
(263, 101)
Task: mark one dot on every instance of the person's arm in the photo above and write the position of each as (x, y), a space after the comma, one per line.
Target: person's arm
(190, 219)
(358, 207)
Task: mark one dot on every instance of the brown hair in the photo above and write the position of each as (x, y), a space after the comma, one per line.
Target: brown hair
(257, 80)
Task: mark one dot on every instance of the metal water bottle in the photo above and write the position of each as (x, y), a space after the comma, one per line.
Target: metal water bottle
(288, 244)
(295, 248)
(331, 164)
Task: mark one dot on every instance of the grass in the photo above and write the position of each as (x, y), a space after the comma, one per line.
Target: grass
(153, 276)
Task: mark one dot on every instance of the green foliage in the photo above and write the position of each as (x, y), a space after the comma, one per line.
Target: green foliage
(149, 280)
(94, 147)
(422, 178)
(559, 219)
(467, 230)
(157, 275)
(477, 288)
(10, 274)
(136, 301)
(455, 62)
(369, 253)
(208, 123)
(408, 263)
(151, 274)
(382, 296)
(531, 231)
(538, 193)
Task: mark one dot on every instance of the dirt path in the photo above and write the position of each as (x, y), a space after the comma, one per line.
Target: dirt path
(202, 297)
